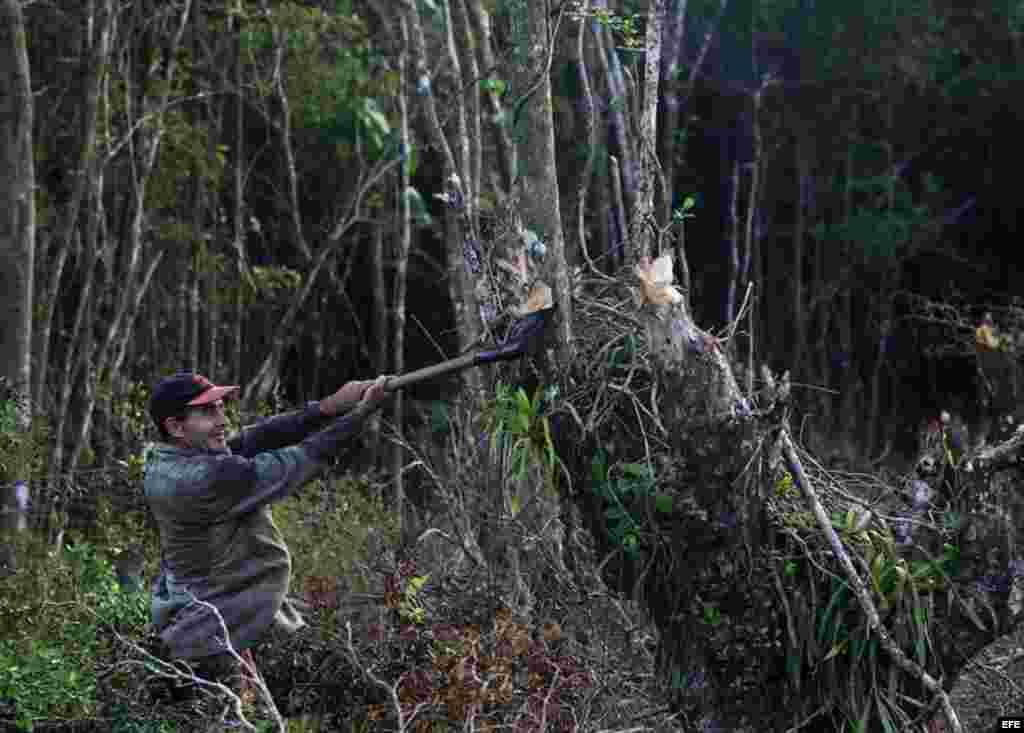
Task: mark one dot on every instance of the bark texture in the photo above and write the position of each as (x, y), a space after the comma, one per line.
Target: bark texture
(17, 236)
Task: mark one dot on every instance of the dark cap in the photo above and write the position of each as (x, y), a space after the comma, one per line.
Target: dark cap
(175, 394)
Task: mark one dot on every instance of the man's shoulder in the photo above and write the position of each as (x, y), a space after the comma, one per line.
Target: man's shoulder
(175, 471)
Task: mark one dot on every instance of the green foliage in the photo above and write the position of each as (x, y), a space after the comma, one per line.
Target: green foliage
(53, 612)
(518, 423)
(8, 416)
(492, 84)
(418, 208)
(327, 525)
(269, 283)
(440, 420)
(184, 155)
(23, 456)
(133, 408)
(626, 27)
(330, 75)
(685, 212)
(879, 235)
(624, 496)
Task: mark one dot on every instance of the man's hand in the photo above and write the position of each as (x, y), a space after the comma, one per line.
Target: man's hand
(345, 398)
(351, 394)
(374, 394)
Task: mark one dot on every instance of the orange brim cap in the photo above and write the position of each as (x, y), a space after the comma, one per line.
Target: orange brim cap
(215, 393)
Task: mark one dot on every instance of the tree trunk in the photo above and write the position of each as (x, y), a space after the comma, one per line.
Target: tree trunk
(380, 330)
(193, 276)
(466, 46)
(642, 221)
(620, 132)
(398, 287)
(462, 251)
(752, 237)
(803, 182)
(538, 190)
(238, 200)
(93, 71)
(181, 303)
(133, 290)
(851, 386)
(578, 236)
(733, 246)
(507, 162)
(17, 248)
(674, 35)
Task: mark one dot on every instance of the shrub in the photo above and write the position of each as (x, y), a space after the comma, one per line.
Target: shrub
(54, 613)
(327, 524)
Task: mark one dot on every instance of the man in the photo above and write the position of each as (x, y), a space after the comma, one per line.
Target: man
(211, 498)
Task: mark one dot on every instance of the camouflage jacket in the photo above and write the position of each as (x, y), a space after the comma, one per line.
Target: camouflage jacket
(218, 539)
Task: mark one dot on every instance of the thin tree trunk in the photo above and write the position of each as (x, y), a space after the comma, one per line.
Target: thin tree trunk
(380, 328)
(586, 103)
(467, 317)
(620, 132)
(642, 221)
(803, 181)
(133, 291)
(849, 380)
(238, 210)
(80, 342)
(752, 237)
(674, 34)
(128, 331)
(618, 257)
(398, 289)
(463, 34)
(507, 161)
(735, 274)
(215, 113)
(181, 301)
(462, 216)
(94, 70)
(285, 128)
(212, 325)
(198, 200)
(17, 250)
(885, 301)
(192, 273)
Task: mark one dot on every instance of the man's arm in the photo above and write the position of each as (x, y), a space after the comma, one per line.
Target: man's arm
(245, 484)
(289, 428)
(279, 431)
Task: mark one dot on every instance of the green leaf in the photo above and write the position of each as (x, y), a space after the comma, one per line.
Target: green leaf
(613, 513)
(835, 651)
(599, 466)
(439, 420)
(498, 86)
(415, 583)
(663, 503)
(835, 604)
(636, 470)
(630, 543)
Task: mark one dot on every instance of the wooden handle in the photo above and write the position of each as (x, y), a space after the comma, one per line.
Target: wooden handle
(420, 375)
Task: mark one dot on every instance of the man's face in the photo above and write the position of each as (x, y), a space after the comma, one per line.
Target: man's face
(203, 427)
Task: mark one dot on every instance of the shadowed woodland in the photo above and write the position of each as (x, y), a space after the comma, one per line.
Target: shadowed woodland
(761, 471)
